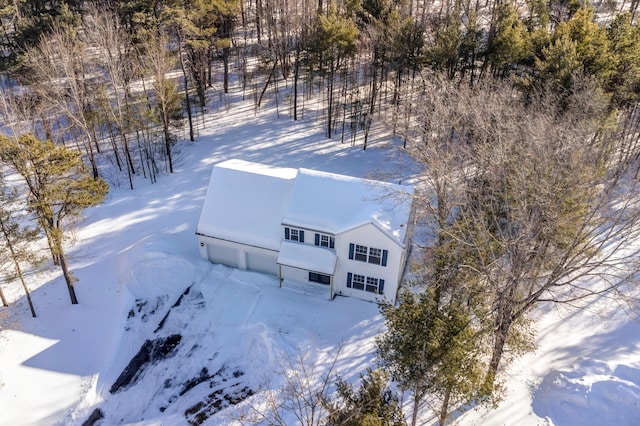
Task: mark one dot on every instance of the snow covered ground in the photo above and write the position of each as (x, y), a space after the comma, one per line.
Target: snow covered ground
(137, 261)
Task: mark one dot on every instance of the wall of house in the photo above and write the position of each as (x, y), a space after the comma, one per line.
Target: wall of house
(262, 260)
(370, 236)
(238, 255)
(295, 274)
(301, 276)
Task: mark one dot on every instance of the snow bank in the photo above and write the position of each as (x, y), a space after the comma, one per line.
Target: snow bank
(592, 393)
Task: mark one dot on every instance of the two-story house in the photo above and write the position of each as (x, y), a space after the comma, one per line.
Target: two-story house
(348, 234)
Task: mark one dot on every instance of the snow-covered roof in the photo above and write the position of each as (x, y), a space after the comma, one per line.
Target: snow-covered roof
(308, 257)
(245, 203)
(333, 203)
(249, 202)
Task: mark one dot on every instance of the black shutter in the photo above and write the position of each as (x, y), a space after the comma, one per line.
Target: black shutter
(301, 236)
(380, 286)
(349, 276)
(286, 233)
(317, 239)
(385, 253)
(332, 242)
(352, 247)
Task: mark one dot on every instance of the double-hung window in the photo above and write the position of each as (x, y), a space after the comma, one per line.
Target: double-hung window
(323, 240)
(294, 234)
(368, 254)
(375, 255)
(368, 284)
(361, 253)
(358, 282)
(372, 285)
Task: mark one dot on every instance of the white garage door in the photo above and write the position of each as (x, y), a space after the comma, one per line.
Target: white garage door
(225, 255)
(262, 263)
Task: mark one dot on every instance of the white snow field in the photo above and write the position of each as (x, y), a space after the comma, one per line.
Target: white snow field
(136, 258)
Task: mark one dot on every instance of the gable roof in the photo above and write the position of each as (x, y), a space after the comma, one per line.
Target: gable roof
(332, 203)
(245, 203)
(249, 202)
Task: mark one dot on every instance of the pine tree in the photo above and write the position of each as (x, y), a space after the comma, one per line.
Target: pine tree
(430, 348)
(372, 404)
(624, 45)
(59, 188)
(509, 46)
(333, 42)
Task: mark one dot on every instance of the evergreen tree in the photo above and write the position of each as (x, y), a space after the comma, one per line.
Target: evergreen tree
(443, 53)
(624, 45)
(333, 42)
(578, 47)
(59, 189)
(509, 46)
(372, 404)
(430, 347)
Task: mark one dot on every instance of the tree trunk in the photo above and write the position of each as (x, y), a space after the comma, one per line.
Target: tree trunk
(503, 323)
(296, 74)
(167, 140)
(68, 277)
(225, 62)
(4, 299)
(186, 87)
(444, 409)
(26, 290)
(372, 104)
(16, 264)
(330, 100)
(416, 407)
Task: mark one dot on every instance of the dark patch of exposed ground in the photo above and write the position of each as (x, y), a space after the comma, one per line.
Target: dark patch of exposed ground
(151, 352)
(226, 384)
(94, 418)
(228, 390)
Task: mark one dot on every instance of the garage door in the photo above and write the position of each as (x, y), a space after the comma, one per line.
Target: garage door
(262, 263)
(225, 255)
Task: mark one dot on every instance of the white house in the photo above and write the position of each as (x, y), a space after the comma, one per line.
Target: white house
(348, 234)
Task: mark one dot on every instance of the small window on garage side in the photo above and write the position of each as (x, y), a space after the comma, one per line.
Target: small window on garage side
(319, 278)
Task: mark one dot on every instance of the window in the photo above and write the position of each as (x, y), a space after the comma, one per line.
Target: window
(361, 253)
(368, 284)
(372, 285)
(368, 254)
(324, 240)
(358, 282)
(319, 278)
(375, 255)
(293, 234)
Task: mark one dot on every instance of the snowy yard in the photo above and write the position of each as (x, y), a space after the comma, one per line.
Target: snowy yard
(137, 259)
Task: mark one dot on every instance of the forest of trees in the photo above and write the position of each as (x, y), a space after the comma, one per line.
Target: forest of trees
(523, 119)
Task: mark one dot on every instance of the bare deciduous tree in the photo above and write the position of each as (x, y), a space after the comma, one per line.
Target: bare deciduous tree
(527, 197)
(302, 396)
(58, 74)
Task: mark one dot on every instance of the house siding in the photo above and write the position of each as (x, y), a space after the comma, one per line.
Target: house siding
(370, 236)
(263, 260)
